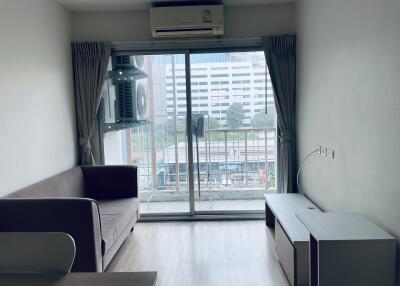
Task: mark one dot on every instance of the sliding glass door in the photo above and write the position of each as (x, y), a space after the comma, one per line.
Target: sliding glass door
(234, 126)
(146, 127)
(223, 101)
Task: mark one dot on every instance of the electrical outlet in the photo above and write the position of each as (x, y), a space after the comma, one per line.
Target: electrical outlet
(330, 153)
(324, 151)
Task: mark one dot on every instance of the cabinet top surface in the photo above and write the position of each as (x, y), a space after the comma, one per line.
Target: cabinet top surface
(79, 279)
(285, 207)
(342, 226)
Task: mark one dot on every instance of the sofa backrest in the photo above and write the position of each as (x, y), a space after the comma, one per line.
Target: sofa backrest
(70, 183)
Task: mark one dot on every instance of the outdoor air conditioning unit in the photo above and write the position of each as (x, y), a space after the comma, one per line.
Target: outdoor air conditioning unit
(128, 62)
(132, 101)
(187, 21)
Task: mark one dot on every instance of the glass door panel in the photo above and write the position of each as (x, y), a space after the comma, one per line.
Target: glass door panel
(234, 139)
(228, 162)
(145, 113)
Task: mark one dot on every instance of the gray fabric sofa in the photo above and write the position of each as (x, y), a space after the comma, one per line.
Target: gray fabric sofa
(96, 205)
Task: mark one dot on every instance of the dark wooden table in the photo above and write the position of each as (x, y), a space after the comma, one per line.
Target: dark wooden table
(81, 279)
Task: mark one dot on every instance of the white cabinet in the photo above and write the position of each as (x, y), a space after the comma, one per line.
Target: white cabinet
(290, 235)
(347, 249)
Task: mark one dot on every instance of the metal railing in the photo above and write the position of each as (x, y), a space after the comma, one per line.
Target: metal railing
(228, 159)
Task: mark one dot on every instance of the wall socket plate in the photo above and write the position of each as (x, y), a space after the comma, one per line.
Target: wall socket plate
(330, 153)
(326, 151)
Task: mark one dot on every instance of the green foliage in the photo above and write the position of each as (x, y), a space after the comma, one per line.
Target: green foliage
(211, 123)
(235, 115)
(262, 120)
(165, 132)
(271, 176)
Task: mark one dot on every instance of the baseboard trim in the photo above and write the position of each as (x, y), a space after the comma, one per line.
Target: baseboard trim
(201, 217)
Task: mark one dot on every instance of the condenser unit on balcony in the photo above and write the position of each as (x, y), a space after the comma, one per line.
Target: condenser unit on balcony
(128, 62)
(132, 101)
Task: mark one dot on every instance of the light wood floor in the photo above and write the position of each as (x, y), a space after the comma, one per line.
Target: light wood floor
(202, 253)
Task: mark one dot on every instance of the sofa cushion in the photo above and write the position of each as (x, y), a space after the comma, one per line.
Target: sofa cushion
(70, 183)
(115, 217)
(110, 182)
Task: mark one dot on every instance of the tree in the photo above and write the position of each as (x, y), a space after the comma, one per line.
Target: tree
(211, 123)
(165, 132)
(262, 120)
(235, 115)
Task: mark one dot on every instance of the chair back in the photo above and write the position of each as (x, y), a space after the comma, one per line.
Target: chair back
(36, 252)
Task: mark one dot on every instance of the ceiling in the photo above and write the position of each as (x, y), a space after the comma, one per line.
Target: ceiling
(124, 5)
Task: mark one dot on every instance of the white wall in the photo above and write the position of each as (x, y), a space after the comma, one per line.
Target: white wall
(349, 99)
(37, 117)
(240, 22)
(113, 148)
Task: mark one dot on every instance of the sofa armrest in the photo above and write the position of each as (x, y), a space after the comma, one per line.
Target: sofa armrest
(111, 182)
(77, 217)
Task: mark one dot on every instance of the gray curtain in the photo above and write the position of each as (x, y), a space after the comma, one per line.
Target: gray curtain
(90, 62)
(97, 140)
(280, 55)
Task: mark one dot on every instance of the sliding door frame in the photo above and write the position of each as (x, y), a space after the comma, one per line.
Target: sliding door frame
(189, 136)
(188, 48)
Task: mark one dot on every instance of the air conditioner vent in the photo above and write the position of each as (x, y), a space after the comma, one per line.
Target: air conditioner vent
(132, 98)
(122, 60)
(125, 106)
(128, 62)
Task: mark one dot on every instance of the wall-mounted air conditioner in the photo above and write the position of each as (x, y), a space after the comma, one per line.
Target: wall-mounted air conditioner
(132, 100)
(187, 21)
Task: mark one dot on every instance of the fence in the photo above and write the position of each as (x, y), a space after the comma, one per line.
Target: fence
(227, 159)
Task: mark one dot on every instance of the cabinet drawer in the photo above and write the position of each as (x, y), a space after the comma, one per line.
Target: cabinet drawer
(286, 252)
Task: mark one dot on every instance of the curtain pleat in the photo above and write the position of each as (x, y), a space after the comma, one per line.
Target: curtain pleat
(90, 61)
(280, 55)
